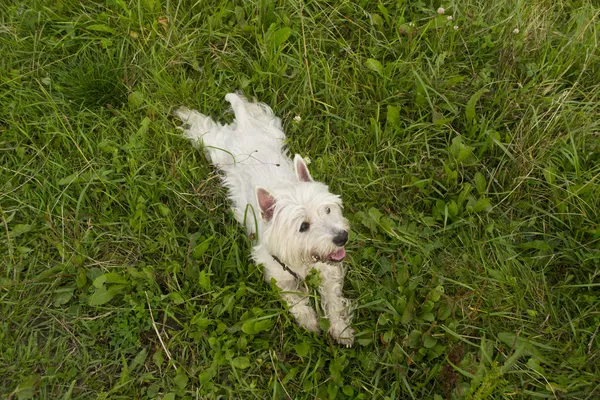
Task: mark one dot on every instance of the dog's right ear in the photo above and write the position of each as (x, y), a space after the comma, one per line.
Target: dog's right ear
(266, 202)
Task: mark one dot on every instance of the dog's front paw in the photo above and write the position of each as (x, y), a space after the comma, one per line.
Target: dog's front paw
(343, 334)
(307, 318)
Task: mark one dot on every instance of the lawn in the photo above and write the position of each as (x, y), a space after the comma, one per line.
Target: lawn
(465, 143)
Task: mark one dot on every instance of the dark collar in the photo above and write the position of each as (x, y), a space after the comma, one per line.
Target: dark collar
(286, 268)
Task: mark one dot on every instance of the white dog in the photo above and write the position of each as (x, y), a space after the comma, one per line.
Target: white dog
(299, 227)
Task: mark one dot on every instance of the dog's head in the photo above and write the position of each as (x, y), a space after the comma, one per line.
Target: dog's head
(304, 222)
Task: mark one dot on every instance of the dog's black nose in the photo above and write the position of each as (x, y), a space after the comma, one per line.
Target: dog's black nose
(341, 238)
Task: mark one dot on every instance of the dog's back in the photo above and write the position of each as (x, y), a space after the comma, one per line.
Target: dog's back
(250, 151)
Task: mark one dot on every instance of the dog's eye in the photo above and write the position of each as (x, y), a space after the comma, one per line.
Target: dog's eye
(328, 210)
(304, 227)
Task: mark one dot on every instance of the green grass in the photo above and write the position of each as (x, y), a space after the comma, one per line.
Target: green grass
(467, 153)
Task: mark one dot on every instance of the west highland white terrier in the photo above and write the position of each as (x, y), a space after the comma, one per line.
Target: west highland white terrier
(299, 226)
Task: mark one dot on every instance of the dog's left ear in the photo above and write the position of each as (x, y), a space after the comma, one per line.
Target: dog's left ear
(301, 169)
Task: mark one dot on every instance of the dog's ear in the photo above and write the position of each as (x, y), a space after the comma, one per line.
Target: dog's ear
(301, 169)
(266, 202)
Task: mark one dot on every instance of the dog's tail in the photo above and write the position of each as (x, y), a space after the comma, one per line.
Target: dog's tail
(195, 125)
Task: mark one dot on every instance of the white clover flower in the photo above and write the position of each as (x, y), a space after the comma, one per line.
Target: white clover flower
(449, 17)
(441, 10)
(455, 27)
(516, 30)
(297, 118)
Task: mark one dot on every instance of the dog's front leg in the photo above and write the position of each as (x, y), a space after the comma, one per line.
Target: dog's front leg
(293, 293)
(296, 297)
(334, 305)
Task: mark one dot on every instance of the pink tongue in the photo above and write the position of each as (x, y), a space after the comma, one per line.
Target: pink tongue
(337, 255)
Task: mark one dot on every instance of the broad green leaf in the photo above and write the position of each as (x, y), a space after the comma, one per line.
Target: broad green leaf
(135, 99)
(240, 362)
(414, 338)
(123, 5)
(164, 210)
(93, 273)
(393, 116)
(248, 327)
(206, 375)
(102, 296)
(429, 341)
(113, 277)
(302, 349)
(204, 280)
(81, 278)
(377, 20)
(101, 28)
(403, 275)
(435, 294)
(263, 325)
(201, 321)
(482, 204)
(201, 248)
(144, 126)
(24, 250)
(20, 229)
(280, 36)
(537, 245)
(550, 174)
(139, 359)
(181, 379)
(348, 390)
(332, 390)
(427, 306)
(480, 182)
(68, 179)
(99, 281)
(69, 392)
(63, 297)
(534, 364)
(429, 317)
(444, 312)
(555, 387)
(470, 108)
(464, 193)
(26, 388)
(407, 315)
(374, 65)
(452, 208)
(375, 214)
(175, 297)
(464, 153)
(158, 358)
(388, 336)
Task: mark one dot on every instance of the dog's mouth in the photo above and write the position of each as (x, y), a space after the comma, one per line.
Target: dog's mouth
(335, 256)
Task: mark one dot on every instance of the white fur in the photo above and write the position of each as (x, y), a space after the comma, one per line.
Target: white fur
(250, 152)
